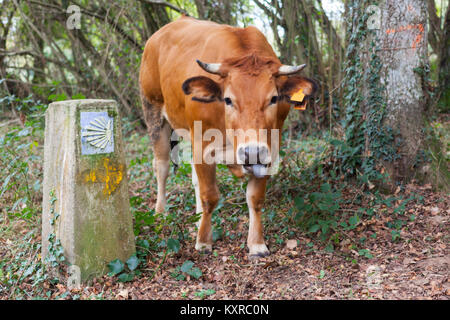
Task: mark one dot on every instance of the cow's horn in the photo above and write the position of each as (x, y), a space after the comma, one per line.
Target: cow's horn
(287, 70)
(210, 67)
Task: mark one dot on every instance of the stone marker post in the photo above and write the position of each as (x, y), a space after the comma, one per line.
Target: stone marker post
(84, 167)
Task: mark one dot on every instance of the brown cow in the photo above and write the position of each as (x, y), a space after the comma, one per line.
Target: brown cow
(237, 83)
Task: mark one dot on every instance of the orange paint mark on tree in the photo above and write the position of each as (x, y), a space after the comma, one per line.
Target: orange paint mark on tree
(419, 36)
(418, 27)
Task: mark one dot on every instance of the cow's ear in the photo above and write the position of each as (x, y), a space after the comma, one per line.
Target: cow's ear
(203, 89)
(293, 85)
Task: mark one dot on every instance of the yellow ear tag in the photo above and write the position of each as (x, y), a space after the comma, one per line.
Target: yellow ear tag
(298, 97)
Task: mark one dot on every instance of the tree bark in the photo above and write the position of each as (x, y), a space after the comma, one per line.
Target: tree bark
(218, 10)
(387, 95)
(434, 32)
(403, 43)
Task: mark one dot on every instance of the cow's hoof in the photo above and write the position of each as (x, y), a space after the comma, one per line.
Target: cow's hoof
(203, 248)
(160, 207)
(258, 251)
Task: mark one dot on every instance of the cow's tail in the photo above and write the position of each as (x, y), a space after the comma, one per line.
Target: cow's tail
(153, 119)
(173, 144)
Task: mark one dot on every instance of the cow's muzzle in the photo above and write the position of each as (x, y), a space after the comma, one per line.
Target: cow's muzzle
(255, 158)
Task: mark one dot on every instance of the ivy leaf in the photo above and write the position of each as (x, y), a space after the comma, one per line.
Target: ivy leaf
(116, 267)
(299, 202)
(217, 234)
(195, 272)
(173, 245)
(144, 244)
(353, 221)
(366, 253)
(329, 248)
(180, 277)
(314, 228)
(322, 274)
(325, 187)
(125, 277)
(187, 265)
(132, 262)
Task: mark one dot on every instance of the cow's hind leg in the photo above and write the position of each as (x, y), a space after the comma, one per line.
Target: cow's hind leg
(161, 164)
(256, 191)
(159, 132)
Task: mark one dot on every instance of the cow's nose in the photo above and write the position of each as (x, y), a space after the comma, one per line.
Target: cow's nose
(253, 154)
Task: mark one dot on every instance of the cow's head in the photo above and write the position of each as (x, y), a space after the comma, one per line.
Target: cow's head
(256, 93)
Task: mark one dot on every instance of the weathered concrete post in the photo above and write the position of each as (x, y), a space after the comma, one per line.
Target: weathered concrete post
(84, 167)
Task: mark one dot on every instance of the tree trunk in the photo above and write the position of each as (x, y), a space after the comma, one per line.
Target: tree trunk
(219, 11)
(403, 43)
(390, 86)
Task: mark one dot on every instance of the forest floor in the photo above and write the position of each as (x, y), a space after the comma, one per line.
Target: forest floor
(398, 251)
(415, 268)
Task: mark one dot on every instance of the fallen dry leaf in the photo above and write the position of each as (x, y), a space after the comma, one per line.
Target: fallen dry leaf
(123, 293)
(291, 244)
(435, 211)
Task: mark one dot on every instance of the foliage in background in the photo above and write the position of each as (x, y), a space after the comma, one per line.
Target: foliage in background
(40, 56)
(20, 157)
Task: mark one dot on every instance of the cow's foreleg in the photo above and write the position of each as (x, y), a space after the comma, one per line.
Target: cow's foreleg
(161, 163)
(256, 191)
(209, 195)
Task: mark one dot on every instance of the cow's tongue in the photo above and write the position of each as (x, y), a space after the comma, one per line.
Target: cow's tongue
(258, 170)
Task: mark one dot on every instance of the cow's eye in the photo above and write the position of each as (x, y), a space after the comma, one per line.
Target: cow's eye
(274, 100)
(228, 102)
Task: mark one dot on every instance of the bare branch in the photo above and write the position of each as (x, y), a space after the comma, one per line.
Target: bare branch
(6, 53)
(167, 4)
(93, 14)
